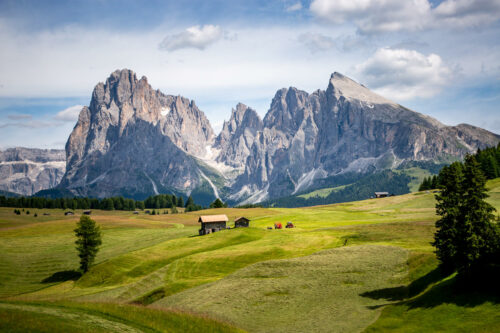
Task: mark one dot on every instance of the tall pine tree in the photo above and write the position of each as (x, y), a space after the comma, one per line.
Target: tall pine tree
(448, 207)
(467, 239)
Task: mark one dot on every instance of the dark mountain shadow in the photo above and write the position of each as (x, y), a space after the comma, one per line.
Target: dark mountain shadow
(63, 276)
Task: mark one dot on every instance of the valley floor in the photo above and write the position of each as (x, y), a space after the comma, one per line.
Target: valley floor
(358, 266)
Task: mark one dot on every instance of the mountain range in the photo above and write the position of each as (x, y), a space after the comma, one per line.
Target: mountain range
(26, 171)
(135, 141)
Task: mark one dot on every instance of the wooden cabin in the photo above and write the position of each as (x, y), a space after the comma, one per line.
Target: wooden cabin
(241, 222)
(381, 194)
(87, 212)
(212, 223)
(68, 213)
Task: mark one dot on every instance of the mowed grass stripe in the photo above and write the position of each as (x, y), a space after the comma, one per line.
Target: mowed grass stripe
(316, 293)
(94, 317)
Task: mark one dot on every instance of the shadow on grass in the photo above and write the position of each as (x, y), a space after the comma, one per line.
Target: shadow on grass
(458, 292)
(151, 297)
(453, 290)
(63, 276)
(400, 293)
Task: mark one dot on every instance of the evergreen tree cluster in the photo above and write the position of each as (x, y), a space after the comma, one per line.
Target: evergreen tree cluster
(172, 202)
(115, 203)
(489, 163)
(430, 183)
(218, 204)
(467, 237)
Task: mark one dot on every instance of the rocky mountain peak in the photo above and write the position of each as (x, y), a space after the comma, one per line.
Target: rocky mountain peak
(238, 135)
(287, 109)
(342, 86)
(137, 141)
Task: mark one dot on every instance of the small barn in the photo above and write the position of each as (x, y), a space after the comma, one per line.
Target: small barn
(212, 223)
(87, 212)
(68, 213)
(381, 194)
(241, 222)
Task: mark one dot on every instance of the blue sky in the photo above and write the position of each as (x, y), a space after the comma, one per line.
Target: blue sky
(440, 58)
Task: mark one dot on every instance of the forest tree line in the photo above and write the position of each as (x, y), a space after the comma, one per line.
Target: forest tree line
(489, 163)
(114, 203)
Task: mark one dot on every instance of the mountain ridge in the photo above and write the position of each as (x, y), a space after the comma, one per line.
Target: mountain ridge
(25, 171)
(135, 140)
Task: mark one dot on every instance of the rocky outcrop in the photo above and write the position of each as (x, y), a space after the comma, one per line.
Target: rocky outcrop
(238, 136)
(135, 141)
(26, 171)
(307, 137)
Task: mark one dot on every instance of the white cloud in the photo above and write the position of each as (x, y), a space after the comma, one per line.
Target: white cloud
(316, 42)
(194, 37)
(69, 114)
(374, 16)
(295, 7)
(467, 13)
(404, 74)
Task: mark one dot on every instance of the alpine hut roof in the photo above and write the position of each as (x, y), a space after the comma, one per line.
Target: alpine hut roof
(213, 218)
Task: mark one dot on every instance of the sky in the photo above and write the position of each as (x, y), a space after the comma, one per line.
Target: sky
(440, 58)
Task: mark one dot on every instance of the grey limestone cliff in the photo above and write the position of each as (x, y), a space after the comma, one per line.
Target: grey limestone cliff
(26, 171)
(133, 140)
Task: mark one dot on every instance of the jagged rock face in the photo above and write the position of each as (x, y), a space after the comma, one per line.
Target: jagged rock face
(26, 171)
(135, 140)
(345, 128)
(237, 136)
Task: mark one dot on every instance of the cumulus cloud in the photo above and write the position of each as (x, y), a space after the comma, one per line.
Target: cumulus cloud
(466, 13)
(316, 42)
(197, 37)
(295, 7)
(69, 114)
(373, 16)
(404, 74)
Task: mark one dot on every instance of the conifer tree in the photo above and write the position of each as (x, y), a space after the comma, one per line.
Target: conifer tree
(88, 241)
(448, 201)
(466, 237)
(189, 201)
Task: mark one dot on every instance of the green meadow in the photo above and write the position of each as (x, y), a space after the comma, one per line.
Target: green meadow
(350, 267)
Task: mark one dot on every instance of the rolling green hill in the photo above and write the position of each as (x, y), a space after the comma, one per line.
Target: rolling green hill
(365, 265)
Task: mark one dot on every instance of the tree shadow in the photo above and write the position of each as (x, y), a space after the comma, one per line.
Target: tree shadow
(63, 276)
(400, 293)
(452, 290)
(464, 293)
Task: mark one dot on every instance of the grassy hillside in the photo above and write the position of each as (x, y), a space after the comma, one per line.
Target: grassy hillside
(345, 267)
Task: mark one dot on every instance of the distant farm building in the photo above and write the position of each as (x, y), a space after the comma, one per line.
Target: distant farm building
(381, 194)
(241, 222)
(68, 213)
(87, 212)
(212, 223)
